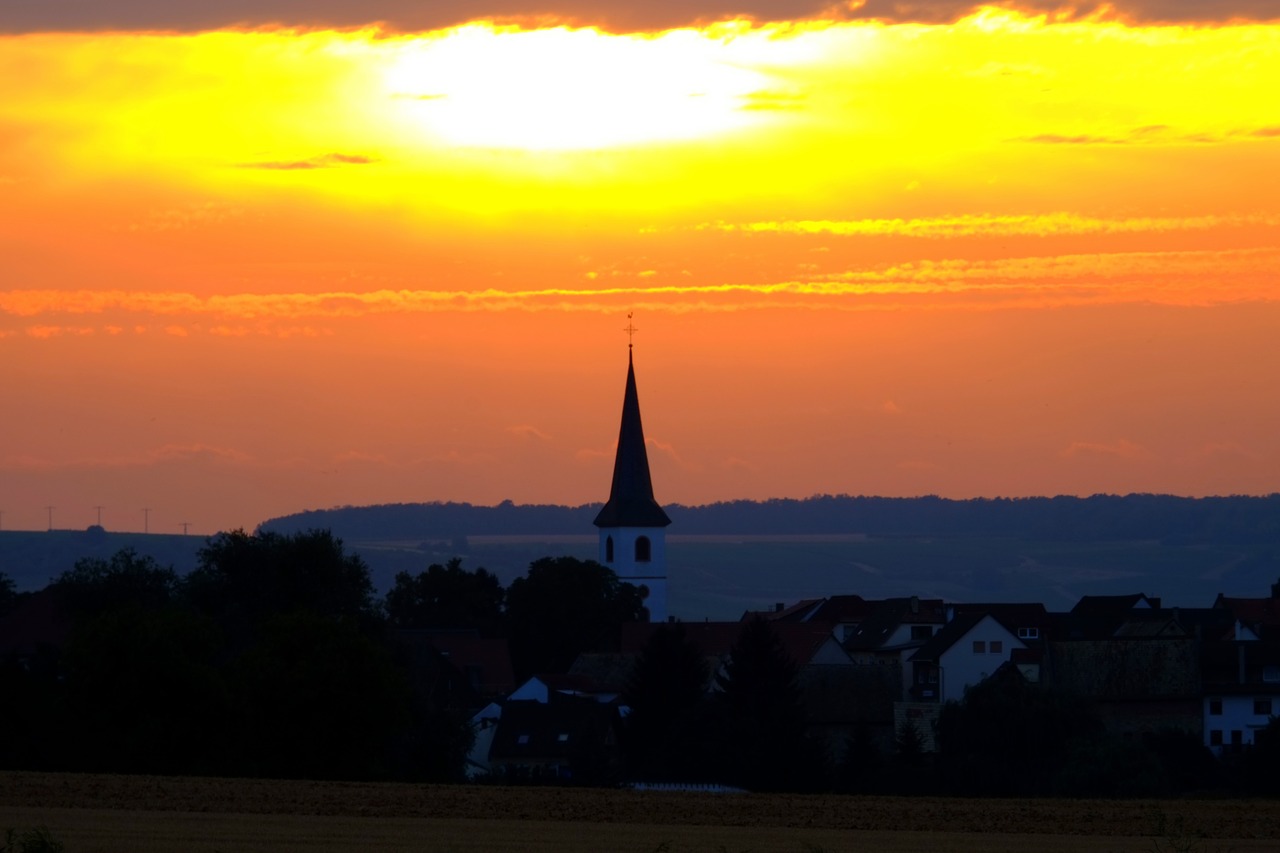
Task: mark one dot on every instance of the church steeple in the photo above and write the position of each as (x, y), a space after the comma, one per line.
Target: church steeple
(631, 502)
(632, 524)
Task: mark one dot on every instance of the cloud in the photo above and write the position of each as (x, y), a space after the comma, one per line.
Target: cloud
(165, 454)
(1121, 448)
(413, 15)
(359, 457)
(1154, 134)
(323, 161)
(891, 408)
(1198, 277)
(183, 218)
(997, 225)
(528, 431)
(45, 332)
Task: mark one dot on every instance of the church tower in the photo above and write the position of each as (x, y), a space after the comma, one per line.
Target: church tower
(632, 524)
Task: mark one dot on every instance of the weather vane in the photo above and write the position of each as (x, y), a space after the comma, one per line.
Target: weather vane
(630, 330)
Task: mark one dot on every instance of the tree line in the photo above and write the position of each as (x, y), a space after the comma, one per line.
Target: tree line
(274, 658)
(1235, 520)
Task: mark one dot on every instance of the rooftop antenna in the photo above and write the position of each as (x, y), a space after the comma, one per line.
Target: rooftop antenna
(630, 330)
(146, 519)
(50, 510)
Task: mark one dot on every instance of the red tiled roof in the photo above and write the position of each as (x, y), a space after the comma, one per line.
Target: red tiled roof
(1252, 611)
(466, 649)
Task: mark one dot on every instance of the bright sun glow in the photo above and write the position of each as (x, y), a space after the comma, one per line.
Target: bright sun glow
(566, 89)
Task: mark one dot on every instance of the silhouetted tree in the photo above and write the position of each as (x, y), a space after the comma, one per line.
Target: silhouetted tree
(764, 745)
(666, 693)
(244, 579)
(127, 580)
(1008, 736)
(145, 693)
(447, 597)
(8, 593)
(318, 699)
(564, 607)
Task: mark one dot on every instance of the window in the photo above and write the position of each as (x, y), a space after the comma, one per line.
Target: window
(921, 632)
(642, 549)
(1271, 673)
(997, 647)
(1262, 707)
(1215, 737)
(522, 739)
(1215, 707)
(979, 646)
(563, 737)
(1028, 633)
(1237, 739)
(608, 549)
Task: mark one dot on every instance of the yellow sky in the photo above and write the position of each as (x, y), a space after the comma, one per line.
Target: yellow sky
(244, 273)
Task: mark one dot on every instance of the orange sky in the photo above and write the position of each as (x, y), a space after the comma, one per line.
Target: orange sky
(250, 270)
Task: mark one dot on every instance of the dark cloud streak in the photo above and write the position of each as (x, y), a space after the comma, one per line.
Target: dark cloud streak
(18, 16)
(324, 161)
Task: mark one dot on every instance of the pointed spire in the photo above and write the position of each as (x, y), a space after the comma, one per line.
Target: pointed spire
(631, 502)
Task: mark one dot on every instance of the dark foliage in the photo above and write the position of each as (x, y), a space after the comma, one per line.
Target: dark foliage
(563, 607)
(669, 723)
(243, 579)
(1011, 737)
(145, 692)
(447, 597)
(126, 580)
(8, 593)
(318, 699)
(763, 745)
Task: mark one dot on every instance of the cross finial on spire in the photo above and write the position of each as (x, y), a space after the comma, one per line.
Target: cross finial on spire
(630, 330)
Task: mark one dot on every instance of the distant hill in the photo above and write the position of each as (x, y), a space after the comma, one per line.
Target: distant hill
(1231, 520)
(729, 557)
(34, 558)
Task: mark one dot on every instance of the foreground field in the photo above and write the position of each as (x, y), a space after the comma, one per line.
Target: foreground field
(114, 814)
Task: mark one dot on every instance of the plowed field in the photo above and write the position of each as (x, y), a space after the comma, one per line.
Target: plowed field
(110, 814)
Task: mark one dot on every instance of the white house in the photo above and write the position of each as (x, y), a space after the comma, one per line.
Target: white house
(968, 649)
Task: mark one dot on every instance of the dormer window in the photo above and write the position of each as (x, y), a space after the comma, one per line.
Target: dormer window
(1028, 633)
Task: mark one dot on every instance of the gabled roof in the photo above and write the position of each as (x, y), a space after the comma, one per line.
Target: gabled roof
(1097, 617)
(950, 634)
(1112, 605)
(887, 615)
(1011, 615)
(842, 609)
(631, 502)
(547, 731)
(801, 611)
(485, 661)
(1252, 611)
